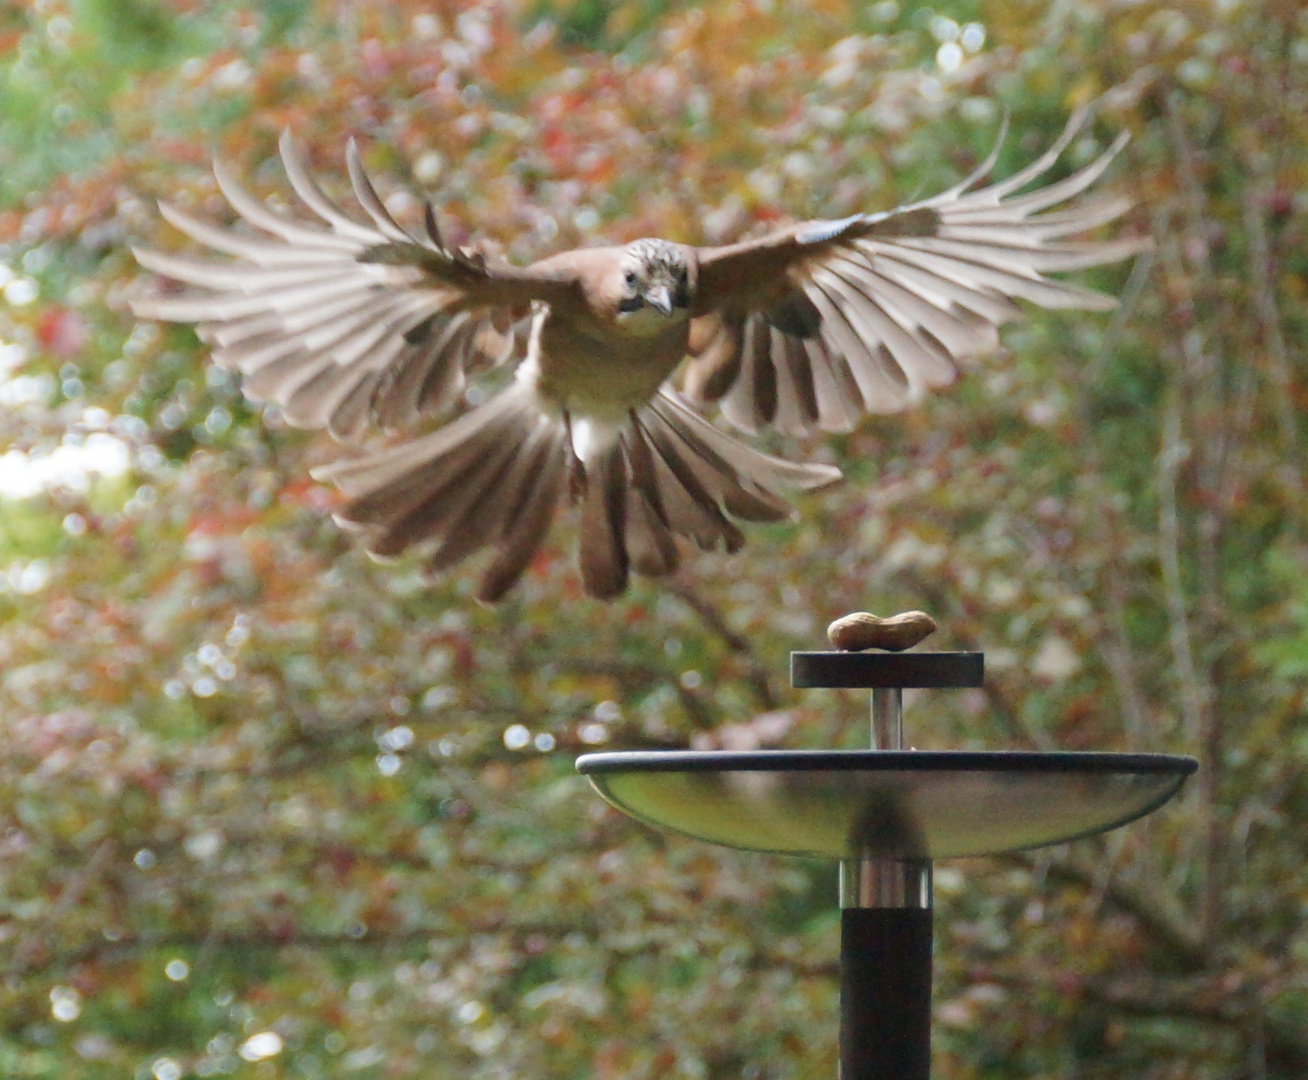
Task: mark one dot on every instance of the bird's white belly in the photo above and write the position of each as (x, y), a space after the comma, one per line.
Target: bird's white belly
(606, 374)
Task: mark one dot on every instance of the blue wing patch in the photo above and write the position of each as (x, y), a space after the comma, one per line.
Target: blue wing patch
(825, 230)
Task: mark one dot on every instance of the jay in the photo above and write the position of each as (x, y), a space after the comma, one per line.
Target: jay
(350, 321)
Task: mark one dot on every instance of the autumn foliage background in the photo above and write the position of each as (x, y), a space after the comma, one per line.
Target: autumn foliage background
(268, 809)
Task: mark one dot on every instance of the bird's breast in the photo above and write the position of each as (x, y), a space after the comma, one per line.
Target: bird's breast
(603, 370)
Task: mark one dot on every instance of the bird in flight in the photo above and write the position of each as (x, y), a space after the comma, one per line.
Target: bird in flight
(349, 321)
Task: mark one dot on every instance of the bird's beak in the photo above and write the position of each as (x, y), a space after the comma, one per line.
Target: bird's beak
(660, 299)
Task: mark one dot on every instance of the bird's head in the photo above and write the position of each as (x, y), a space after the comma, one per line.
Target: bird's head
(657, 283)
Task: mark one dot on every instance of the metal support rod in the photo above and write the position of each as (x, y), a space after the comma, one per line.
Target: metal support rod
(878, 882)
(888, 718)
(885, 883)
(885, 947)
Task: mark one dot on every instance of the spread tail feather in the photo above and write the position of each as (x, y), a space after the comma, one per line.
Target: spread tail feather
(494, 478)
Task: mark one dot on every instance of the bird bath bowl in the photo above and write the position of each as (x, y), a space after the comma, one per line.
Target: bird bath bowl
(896, 804)
(885, 814)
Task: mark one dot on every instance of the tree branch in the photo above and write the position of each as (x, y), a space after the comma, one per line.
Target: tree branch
(1208, 999)
(1153, 910)
(639, 676)
(756, 674)
(1278, 353)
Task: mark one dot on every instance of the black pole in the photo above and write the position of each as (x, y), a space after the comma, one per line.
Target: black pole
(885, 893)
(885, 994)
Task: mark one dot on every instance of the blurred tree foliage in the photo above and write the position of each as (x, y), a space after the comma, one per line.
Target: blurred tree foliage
(268, 809)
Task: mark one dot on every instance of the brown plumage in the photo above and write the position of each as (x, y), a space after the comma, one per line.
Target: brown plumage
(345, 324)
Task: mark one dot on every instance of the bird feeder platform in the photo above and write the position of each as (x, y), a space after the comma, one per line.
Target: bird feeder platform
(885, 814)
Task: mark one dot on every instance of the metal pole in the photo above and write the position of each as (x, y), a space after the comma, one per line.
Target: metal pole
(885, 947)
(888, 718)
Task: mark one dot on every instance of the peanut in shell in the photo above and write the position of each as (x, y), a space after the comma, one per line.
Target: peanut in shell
(863, 630)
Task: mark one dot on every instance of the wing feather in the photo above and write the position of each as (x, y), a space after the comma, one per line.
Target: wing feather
(902, 297)
(370, 200)
(881, 385)
(317, 308)
(308, 192)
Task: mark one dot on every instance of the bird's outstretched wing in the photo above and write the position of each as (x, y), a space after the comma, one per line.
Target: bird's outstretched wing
(812, 325)
(338, 320)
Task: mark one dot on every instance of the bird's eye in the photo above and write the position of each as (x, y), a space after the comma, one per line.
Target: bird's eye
(631, 278)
